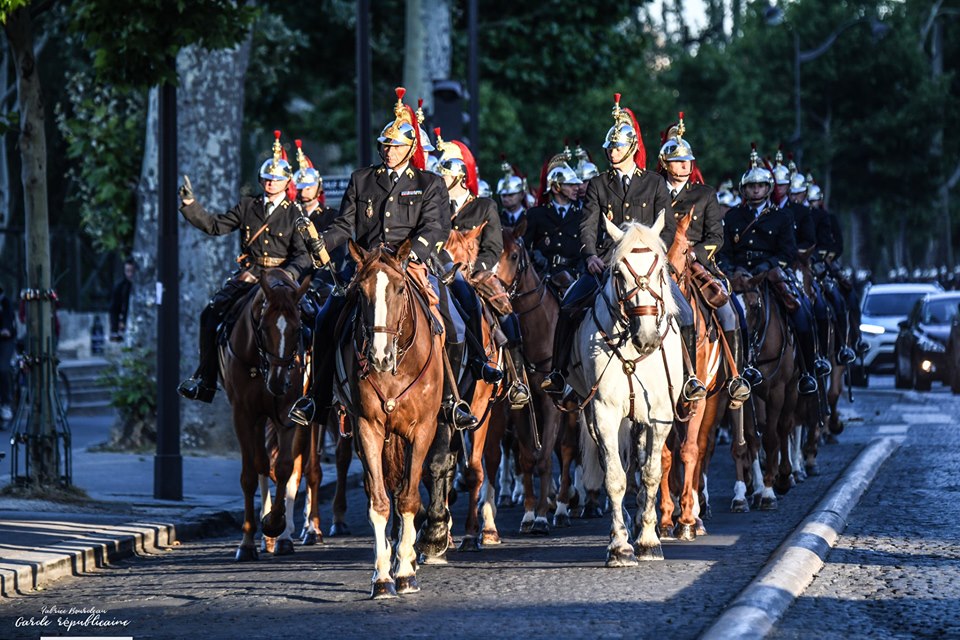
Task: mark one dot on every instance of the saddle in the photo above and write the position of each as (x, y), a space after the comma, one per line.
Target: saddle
(783, 289)
(711, 291)
(232, 315)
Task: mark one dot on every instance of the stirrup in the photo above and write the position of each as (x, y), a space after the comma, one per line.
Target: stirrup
(459, 414)
(807, 385)
(739, 390)
(822, 367)
(302, 411)
(846, 356)
(554, 383)
(518, 395)
(752, 375)
(693, 389)
(195, 389)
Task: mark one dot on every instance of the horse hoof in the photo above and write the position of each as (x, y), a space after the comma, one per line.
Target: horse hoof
(685, 532)
(665, 532)
(831, 438)
(707, 513)
(701, 530)
(267, 545)
(561, 520)
(407, 584)
(619, 558)
(433, 559)
(768, 504)
(540, 527)
(489, 537)
(339, 529)
(505, 501)
(283, 547)
(574, 500)
(469, 543)
(526, 527)
(383, 590)
(813, 469)
(649, 553)
(591, 511)
(246, 554)
(739, 506)
(311, 538)
(272, 528)
(799, 476)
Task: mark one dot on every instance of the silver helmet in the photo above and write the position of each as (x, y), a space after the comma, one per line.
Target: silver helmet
(676, 149)
(622, 133)
(483, 189)
(306, 175)
(433, 164)
(585, 168)
(561, 174)
(276, 167)
(781, 174)
(510, 183)
(402, 130)
(757, 173)
(728, 198)
(814, 193)
(798, 184)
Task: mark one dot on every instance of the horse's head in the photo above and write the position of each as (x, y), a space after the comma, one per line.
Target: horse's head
(383, 302)
(464, 247)
(277, 322)
(679, 252)
(748, 290)
(513, 260)
(638, 282)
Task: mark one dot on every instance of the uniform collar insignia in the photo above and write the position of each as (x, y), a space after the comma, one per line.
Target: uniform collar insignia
(409, 173)
(380, 169)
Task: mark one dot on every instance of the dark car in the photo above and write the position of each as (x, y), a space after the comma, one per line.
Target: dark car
(953, 355)
(920, 349)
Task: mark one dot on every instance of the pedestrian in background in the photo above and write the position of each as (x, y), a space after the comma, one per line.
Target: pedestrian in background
(8, 345)
(120, 301)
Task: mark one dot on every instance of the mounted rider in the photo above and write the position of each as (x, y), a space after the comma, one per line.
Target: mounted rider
(625, 193)
(759, 238)
(468, 210)
(268, 239)
(512, 189)
(312, 202)
(690, 196)
(387, 204)
(586, 170)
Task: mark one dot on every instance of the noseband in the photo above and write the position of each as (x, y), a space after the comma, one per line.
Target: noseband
(369, 331)
(269, 359)
(641, 283)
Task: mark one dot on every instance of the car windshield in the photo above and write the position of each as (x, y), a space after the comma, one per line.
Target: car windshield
(940, 311)
(891, 304)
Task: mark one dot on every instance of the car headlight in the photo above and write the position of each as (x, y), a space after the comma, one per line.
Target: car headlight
(928, 344)
(873, 329)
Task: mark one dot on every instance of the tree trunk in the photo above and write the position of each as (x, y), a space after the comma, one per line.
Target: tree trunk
(33, 151)
(5, 199)
(427, 48)
(210, 119)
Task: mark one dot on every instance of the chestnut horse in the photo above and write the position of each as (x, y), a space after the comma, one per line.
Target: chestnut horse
(262, 369)
(538, 310)
(771, 344)
(464, 247)
(390, 380)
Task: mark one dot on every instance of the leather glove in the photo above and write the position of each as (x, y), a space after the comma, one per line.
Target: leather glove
(315, 245)
(186, 189)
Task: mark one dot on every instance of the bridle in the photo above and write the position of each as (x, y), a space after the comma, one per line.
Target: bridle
(641, 284)
(368, 331)
(267, 358)
(513, 290)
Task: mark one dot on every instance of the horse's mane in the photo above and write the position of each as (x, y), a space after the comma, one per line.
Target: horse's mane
(635, 234)
(279, 280)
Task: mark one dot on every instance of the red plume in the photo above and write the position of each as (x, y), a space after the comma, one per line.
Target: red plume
(419, 103)
(543, 195)
(276, 134)
(419, 157)
(640, 157)
(616, 98)
(681, 115)
(473, 181)
(400, 92)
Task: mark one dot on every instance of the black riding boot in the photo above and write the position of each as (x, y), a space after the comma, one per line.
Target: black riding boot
(562, 345)
(845, 355)
(518, 393)
(821, 366)
(202, 385)
(693, 389)
(807, 384)
(479, 363)
(454, 411)
(304, 410)
(739, 387)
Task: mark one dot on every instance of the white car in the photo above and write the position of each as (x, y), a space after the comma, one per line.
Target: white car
(884, 306)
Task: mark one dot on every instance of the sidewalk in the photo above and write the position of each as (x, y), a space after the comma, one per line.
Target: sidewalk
(41, 542)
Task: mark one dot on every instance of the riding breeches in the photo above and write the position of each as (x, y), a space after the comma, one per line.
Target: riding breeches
(453, 317)
(221, 302)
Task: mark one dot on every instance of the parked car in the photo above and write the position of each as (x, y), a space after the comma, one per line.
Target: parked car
(883, 307)
(953, 355)
(921, 346)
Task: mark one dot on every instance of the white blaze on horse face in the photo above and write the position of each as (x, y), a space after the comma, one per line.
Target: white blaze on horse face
(282, 328)
(381, 340)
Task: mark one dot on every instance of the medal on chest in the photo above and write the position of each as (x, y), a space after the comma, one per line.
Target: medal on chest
(609, 212)
(369, 211)
(546, 241)
(736, 237)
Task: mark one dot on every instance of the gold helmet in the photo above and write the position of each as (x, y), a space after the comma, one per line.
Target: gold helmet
(403, 131)
(676, 148)
(306, 175)
(555, 172)
(276, 167)
(510, 183)
(457, 161)
(781, 174)
(756, 172)
(424, 138)
(623, 133)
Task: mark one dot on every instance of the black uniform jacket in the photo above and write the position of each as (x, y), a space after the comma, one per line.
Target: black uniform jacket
(645, 197)
(280, 239)
(706, 228)
(473, 214)
(829, 233)
(377, 211)
(505, 220)
(803, 225)
(757, 244)
(556, 238)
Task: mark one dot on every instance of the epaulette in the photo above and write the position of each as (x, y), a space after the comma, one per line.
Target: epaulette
(380, 170)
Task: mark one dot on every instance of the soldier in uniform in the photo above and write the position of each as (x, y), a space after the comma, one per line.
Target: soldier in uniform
(512, 189)
(759, 237)
(386, 204)
(625, 193)
(469, 210)
(313, 205)
(268, 239)
(843, 297)
(727, 198)
(553, 228)
(690, 196)
(586, 171)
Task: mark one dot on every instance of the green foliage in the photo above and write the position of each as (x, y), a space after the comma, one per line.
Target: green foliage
(103, 129)
(134, 383)
(132, 40)
(9, 6)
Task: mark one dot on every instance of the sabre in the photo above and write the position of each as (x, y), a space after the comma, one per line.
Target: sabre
(306, 229)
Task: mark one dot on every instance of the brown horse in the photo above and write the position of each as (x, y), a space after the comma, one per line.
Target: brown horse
(262, 370)
(538, 310)
(689, 440)
(464, 247)
(772, 345)
(390, 379)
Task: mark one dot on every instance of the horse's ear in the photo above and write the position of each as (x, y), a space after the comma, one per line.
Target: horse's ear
(403, 253)
(683, 223)
(302, 289)
(660, 222)
(476, 231)
(615, 232)
(520, 229)
(359, 255)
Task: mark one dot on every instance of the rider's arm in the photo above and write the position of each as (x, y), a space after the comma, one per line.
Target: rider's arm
(433, 227)
(786, 252)
(343, 226)
(491, 239)
(299, 261)
(662, 201)
(211, 224)
(590, 223)
(712, 231)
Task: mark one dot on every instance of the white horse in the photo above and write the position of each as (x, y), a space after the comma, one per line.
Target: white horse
(627, 365)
